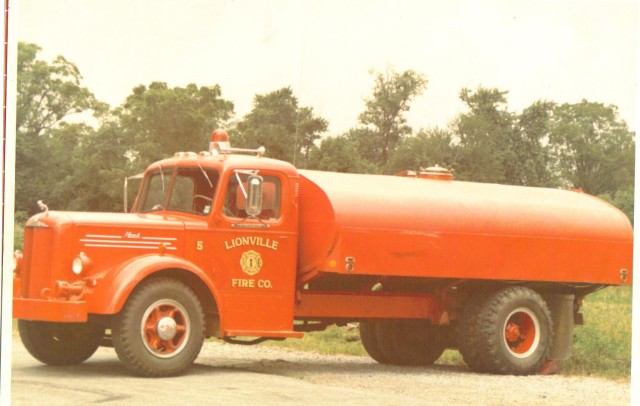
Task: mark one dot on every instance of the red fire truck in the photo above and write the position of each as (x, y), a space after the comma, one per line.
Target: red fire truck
(226, 243)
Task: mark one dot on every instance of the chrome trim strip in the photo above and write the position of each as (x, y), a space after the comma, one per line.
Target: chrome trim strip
(142, 247)
(122, 242)
(103, 236)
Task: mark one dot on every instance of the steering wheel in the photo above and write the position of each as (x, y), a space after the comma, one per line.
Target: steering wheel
(207, 198)
(157, 207)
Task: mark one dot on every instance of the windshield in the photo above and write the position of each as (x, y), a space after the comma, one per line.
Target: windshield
(191, 190)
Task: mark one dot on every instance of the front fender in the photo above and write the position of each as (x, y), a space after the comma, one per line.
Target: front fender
(112, 289)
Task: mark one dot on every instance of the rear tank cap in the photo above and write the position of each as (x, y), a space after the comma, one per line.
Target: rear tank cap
(435, 172)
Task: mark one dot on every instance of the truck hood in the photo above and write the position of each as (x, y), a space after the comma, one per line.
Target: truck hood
(54, 239)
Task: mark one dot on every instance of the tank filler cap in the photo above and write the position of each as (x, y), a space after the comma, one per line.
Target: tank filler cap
(435, 172)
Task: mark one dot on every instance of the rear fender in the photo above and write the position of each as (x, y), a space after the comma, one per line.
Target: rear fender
(113, 287)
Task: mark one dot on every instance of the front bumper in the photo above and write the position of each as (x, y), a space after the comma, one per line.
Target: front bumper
(50, 310)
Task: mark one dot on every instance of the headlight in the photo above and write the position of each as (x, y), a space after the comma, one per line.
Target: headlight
(80, 263)
(17, 262)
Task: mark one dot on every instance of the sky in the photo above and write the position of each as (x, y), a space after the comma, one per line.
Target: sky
(329, 52)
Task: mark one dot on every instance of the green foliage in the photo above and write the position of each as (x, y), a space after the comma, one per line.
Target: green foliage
(95, 168)
(593, 148)
(533, 164)
(485, 137)
(157, 121)
(602, 347)
(427, 148)
(287, 131)
(19, 218)
(339, 154)
(47, 94)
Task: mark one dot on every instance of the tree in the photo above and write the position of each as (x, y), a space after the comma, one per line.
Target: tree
(593, 148)
(276, 122)
(427, 148)
(485, 137)
(622, 199)
(157, 120)
(48, 93)
(96, 168)
(531, 147)
(384, 112)
(339, 154)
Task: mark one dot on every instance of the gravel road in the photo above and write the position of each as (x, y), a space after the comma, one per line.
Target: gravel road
(259, 375)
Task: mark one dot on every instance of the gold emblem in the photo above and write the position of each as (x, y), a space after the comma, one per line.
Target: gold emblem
(251, 262)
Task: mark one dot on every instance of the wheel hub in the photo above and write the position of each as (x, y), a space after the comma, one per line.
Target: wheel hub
(521, 332)
(512, 333)
(167, 328)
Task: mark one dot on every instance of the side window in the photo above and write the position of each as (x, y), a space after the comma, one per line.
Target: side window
(235, 201)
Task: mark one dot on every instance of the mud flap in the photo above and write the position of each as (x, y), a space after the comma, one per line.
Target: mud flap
(561, 308)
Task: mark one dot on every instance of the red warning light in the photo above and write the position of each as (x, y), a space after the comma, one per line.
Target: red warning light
(219, 136)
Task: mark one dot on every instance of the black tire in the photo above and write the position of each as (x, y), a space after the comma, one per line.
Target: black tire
(403, 342)
(516, 332)
(467, 333)
(60, 343)
(411, 342)
(160, 330)
(369, 338)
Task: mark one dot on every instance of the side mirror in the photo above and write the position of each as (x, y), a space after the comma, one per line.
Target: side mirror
(254, 196)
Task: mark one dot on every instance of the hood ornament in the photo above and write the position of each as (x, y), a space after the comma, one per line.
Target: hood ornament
(43, 207)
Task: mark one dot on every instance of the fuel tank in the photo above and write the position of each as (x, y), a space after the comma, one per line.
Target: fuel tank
(440, 228)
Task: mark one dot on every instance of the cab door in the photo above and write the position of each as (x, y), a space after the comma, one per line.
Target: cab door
(256, 257)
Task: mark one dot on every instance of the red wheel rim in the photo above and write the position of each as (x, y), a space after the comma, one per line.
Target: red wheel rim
(165, 328)
(521, 332)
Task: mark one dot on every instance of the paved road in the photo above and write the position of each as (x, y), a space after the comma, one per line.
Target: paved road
(234, 375)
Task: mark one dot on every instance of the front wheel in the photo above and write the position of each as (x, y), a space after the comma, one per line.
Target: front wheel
(60, 343)
(160, 330)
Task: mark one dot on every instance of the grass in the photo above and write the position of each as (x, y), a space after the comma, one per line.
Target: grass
(602, 347)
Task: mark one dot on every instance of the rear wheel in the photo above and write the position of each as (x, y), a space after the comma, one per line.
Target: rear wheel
(369, 338)
(60, 343)
(467, 333)
(160, 330)
(514, 332)
(403, 342)
(413, 342)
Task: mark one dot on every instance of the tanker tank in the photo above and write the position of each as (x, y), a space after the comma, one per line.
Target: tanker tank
(398, 226)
